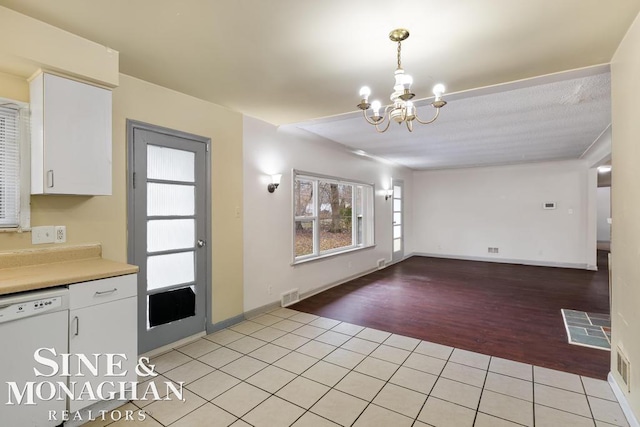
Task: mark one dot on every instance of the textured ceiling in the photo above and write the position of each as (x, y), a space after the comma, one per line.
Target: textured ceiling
(286, 61)
(539, 120)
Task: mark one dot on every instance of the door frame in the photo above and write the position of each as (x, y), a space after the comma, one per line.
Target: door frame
(132, 125)
(400, 183)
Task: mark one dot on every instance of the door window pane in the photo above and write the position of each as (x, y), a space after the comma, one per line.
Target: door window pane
(397, 231)
(397, 245)
(168, 270)
(397, 218)
(170, 199)
(303, 198)
(170, 164)
(397, 205)
(397, 192)
(168, 234)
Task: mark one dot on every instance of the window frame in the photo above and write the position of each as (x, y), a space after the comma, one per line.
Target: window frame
(24, 147)
(366, 243)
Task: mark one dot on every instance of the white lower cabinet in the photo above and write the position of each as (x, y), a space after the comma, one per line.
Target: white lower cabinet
(102, 325)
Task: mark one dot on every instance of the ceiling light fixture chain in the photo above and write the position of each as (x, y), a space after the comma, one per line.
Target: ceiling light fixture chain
(401, 110)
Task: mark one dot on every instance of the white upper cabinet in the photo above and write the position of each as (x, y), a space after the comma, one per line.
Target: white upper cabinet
(70, 137)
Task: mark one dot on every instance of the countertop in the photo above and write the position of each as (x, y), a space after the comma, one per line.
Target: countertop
(38, 269)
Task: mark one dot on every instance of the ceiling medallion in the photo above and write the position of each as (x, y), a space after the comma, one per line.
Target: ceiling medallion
(401, 110)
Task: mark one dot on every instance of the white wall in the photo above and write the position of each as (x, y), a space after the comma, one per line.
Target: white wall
(604, 213)
(267, 217)
(625, 197)
(460, 213)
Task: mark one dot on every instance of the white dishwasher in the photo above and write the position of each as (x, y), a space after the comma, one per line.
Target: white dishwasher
(30, 321)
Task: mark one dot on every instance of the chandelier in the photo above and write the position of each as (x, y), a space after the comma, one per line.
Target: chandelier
(401, 110)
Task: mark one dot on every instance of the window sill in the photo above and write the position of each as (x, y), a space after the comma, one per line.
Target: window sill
(329, 255)
(15, 230)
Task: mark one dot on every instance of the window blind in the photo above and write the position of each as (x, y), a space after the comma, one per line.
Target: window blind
(9, 167)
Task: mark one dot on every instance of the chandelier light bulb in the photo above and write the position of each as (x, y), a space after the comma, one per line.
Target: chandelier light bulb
(365, 92)
(438, 90)
(375, 105)
(407, 81)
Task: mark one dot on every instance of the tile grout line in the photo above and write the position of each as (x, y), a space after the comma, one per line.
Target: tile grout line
(533, 394)
(484, 383)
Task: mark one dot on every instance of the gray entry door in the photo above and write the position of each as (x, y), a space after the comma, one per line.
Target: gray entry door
(398, 221)
(168, 231)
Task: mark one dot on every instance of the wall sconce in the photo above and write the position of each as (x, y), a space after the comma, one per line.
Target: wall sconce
(388, 193)
(275, 182)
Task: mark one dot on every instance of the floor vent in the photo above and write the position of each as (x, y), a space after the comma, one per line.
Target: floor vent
(381, 264)
(289, 297)
(623, 368)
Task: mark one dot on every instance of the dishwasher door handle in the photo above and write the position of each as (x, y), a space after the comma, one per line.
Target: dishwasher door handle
(77, 320)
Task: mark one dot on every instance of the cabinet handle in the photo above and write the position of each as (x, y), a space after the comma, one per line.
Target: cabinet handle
(50, 178)
(101, 293)
(77, 320)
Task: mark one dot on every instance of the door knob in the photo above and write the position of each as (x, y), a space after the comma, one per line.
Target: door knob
(202, 243)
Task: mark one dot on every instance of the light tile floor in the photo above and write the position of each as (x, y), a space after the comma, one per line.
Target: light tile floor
(287, 368)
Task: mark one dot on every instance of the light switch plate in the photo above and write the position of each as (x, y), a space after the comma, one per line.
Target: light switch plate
(44, 234)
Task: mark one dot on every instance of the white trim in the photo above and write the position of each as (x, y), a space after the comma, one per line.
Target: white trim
(334, 252)
(368, 236)
(507, 261)
(622, 400)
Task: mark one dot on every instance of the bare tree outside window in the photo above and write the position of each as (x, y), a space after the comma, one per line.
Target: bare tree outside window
(304, 207)
(336, 201)
(331, 216)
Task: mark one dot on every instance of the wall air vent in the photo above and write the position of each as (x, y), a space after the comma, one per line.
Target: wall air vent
(623, 368)
(289, 297)
(381, 263)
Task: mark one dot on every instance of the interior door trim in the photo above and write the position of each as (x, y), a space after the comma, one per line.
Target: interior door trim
(132, 125)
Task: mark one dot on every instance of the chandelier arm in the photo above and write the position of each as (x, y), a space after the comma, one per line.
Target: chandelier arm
(385, 128)
(364, 114)
(429, 121)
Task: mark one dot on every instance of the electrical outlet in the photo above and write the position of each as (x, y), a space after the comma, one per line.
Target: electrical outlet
(44, 234)
(61, 234)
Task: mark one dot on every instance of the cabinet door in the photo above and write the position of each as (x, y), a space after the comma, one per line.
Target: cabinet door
(77, 137)
(103, 329)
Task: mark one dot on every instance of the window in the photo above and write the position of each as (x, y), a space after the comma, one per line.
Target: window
(331, 216)
(14, 171)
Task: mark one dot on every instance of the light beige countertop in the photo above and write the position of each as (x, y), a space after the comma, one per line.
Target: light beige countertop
(43, 268)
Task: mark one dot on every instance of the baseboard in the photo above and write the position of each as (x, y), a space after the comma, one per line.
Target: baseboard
(273, 305)
(166, 348)
(323, 288)
(214, 327)
(622, 400)
(261, 310)
(577, 266)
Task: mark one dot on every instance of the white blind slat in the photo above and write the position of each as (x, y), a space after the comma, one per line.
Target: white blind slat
(9, 168)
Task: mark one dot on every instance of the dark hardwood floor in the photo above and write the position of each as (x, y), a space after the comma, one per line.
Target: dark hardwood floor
(504, 310)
